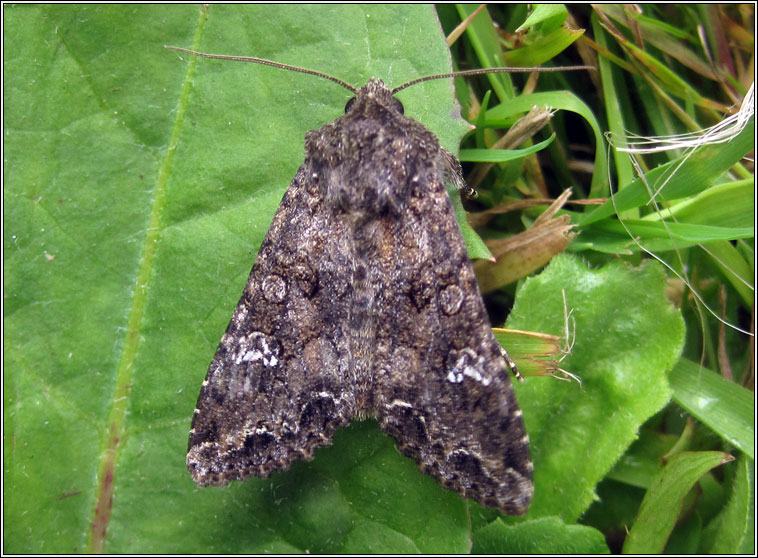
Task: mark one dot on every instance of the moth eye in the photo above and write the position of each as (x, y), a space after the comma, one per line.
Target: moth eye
(350, 104)
(398, 106)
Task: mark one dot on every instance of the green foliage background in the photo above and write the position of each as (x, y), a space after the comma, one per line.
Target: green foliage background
(138, 187)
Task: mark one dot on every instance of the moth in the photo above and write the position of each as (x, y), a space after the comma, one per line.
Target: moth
(362, 303)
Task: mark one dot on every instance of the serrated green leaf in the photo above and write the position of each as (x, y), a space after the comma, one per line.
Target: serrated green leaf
(138, 184)
(547, 535)
(627, 335)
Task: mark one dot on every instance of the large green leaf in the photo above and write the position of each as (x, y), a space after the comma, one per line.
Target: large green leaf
(138, 185)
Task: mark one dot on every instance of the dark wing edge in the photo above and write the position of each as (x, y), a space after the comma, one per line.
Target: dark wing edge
(447, 398)
(275, 391)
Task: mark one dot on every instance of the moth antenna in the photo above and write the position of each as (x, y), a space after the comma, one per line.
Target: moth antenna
(482, 71)
(347, 86)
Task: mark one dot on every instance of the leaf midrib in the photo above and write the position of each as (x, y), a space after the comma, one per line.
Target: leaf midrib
(115, 422)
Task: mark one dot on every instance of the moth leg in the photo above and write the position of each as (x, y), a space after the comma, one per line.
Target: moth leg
(511, 364)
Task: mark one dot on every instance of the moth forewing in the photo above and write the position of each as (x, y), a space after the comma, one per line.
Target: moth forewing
(362, 301)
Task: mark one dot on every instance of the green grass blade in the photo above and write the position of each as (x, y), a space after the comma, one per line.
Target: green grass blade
(732, 531)
(558, 100)
(659, 510)
(725, 407)
(686, 177)
(502, 155)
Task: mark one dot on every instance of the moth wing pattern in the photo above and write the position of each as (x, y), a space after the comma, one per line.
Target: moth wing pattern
(276, 387)
(362, 302)
(440, 384)
(422, 344)
(446, 397)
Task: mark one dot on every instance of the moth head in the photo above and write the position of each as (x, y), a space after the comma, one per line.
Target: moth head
(375, 92)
